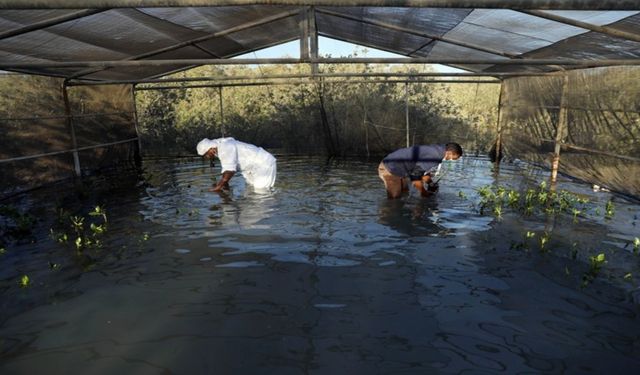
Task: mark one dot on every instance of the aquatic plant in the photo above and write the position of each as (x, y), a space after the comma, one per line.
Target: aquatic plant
(574, 251)
(531, 201)
(83, 237)
(54, 266)
(628, 277)
(636, 244)
(462, 195)
(595, 265)
(99, 211)
(24, 281)
(2, 250)
(609, 209)
(544, 240)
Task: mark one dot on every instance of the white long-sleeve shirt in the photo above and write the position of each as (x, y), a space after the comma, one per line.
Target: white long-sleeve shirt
(257, 165)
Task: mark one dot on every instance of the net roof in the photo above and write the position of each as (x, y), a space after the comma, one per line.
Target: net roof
(220, 32)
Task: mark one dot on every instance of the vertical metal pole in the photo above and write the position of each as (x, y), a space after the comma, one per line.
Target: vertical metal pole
(499, 125)
(138, 154)
(406, 109)
(560, 130)
(304, 34)
(74, 142)
(313, 36)
(221, 111)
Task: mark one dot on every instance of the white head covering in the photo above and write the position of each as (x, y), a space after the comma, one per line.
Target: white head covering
(206, 144)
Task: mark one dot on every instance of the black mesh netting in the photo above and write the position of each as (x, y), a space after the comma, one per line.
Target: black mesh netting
(601, 143)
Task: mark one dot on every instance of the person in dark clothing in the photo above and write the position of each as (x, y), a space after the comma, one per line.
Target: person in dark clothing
(417, 164)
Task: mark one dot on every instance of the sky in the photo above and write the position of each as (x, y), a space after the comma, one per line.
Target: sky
(333, 47)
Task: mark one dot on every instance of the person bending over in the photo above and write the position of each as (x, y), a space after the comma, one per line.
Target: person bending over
(416, 164)
(257, 165)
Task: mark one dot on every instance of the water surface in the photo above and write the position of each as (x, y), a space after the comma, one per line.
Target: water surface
(321, 275)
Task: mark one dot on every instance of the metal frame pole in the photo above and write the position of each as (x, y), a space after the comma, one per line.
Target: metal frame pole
(222, 130)
(560, 130)
(499, 125)
(406, 109)
(136, 124)
(74, 142)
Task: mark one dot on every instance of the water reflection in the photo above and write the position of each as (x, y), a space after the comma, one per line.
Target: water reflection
(411, 217)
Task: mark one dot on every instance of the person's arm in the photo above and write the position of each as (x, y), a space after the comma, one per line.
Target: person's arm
(426, 181)
(224, 181)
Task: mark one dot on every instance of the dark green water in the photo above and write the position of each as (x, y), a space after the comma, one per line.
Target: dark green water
(323, 275)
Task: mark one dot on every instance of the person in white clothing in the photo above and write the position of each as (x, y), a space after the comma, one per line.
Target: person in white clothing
(257, 165)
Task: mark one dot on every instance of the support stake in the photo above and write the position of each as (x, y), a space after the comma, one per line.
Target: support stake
(560, 130)
(74, 142)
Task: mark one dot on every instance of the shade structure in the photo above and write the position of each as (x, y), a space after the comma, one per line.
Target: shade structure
(42, 36)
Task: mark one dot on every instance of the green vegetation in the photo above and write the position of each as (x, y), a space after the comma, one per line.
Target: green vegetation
(84, 237)
(595, 265)
(24, 281)
(532, 201)
(333, 118)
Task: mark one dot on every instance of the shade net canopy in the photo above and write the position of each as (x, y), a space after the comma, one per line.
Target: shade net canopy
(182, 33)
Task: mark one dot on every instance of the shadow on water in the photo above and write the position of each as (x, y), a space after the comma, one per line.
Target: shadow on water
(322, 274)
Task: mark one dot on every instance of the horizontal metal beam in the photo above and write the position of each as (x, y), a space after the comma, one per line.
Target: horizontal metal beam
(281, 83)
(84, 115)
(584, 25)
(67, 151)
(307, 75)
(591, 151)
(50, 22)
(354, 60)
(497, 4)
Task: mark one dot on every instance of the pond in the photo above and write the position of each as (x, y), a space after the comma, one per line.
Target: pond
(322, 275)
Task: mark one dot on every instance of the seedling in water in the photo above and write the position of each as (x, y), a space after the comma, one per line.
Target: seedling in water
(628, 277)
(99, 211)
(78, 243)
(24, 281)
(574, 250)
(609, 209)
(544, 239)
(497, 210)
(595, 265)
(462, 195)
(575, 213)
(636, 244)
(54, 266)
(2, 250)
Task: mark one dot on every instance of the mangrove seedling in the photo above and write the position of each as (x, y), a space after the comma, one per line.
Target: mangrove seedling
(636, 245)
(497, 210)
(609, 209)
(462, 195)
(2, 250)
(595, 265)
(24, 281)
(628, 277)
(575, 213)
(574, 250)
(544, 239)
(99, 211)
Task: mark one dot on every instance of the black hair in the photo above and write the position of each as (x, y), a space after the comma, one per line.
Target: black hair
(454, 147)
